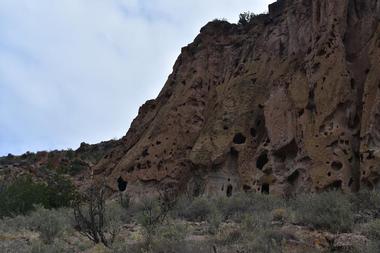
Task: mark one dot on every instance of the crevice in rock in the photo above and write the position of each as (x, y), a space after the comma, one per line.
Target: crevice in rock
(262, 160)
(311, 101)
(293, 177)
(229, 190)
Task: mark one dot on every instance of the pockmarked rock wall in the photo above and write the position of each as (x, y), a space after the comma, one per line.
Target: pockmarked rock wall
(288, 103)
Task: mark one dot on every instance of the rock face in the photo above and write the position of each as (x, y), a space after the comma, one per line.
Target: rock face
(289, 102)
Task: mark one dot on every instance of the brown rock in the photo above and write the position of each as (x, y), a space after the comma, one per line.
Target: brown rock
(287, 103)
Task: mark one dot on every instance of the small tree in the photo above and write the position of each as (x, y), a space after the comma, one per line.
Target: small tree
(91, 218)
(153, 212)
(246, 17)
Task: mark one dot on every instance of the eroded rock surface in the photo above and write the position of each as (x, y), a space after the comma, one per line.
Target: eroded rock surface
(287, 103)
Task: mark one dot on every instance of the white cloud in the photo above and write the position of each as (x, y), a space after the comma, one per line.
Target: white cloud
(77, 70)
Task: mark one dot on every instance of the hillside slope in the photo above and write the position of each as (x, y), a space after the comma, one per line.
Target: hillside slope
(286, 103)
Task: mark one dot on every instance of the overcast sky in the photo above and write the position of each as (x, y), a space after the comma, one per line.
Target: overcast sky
(78, 70)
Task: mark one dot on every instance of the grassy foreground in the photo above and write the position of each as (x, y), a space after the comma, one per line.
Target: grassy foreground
(325, 222)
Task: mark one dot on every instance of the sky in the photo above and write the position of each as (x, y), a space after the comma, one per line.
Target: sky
(75, 71)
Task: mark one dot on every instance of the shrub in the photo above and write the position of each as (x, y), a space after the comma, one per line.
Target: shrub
(150, 216)
(327, 210)
(93, 219)
(236, 205)
(256, 221)
(240, 204)
(366, 205)
(280, 214)
(372, 230)
(13, 224)
(14, 246)
(267, 241)
(49, 223)
(21, 195)
(197, 210)
(125, 201)
(229, 236)
(169, 237)
(56, 247)
(214, 220)
(120, 246)
(77, 166)
(60, 191)
(371, 247)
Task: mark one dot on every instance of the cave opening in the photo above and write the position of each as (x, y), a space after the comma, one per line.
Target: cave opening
(262, 160)
(122, 184)
(229, 190)
(293, 177)
(239, 138)
(336, 165)
(288, 151)
(265, 189)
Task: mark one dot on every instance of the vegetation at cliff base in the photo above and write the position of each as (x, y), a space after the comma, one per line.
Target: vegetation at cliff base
(247, 222)
(23, 194)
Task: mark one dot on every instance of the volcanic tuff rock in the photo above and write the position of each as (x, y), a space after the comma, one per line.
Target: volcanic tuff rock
(289, 102)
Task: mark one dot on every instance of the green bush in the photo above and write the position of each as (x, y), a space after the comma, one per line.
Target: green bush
(61, 192)
(196, 210)
(240, 204)
(20, 196)
(75, 167)
(366, 205)
(237, 205)
(371, 247)
(327, 210)
(174, 231)
(267, 241)
(229, 236)
(56, 247)
(256, 221)
(372, 230)
(214, 220)
(151, 213)
(50, 224)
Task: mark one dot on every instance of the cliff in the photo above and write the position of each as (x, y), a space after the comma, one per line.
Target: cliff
(286, 103)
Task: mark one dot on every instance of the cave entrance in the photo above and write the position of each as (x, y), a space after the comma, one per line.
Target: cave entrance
(293, 177)
(262, 160)
(122, 184)
(265, 189)
(229, 190)
(239, 138)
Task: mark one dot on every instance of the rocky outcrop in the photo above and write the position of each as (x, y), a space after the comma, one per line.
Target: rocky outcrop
(286, 103)
(78, 164)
